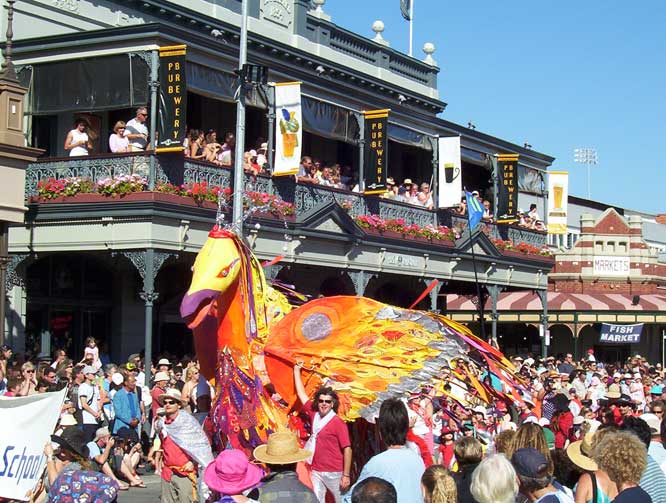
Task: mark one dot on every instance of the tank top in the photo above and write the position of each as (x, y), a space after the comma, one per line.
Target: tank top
(78, 136)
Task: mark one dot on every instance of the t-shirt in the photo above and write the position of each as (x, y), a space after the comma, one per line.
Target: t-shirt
(555, 497)
(633, 495)
(135, 127)
(88, 391)
(658, 453)
(94, 450)
(331, 441)
(653, 481)
(401, 467)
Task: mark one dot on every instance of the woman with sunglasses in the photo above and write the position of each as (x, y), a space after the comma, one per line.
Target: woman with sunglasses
(329, 441)
(29, 384)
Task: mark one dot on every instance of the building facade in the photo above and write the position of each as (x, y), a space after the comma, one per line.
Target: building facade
(116, 268)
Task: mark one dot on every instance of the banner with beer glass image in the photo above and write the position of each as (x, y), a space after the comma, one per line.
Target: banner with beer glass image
(450, 172)
(288, 133)
(558, 195)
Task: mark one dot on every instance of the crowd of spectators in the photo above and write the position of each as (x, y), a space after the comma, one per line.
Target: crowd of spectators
(585, 431)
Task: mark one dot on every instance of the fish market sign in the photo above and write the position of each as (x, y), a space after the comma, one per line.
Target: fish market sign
(621, 334)
(611, 266)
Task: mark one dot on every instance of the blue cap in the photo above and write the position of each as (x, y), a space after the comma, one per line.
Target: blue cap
(529, 462)
(656, 390)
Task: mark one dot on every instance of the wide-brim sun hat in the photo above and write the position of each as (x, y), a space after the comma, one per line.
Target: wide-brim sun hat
(171, 393)
(579, 453)
(161, 376)
(72, 440)
(232, 473)
(164, 361)
(281, 449)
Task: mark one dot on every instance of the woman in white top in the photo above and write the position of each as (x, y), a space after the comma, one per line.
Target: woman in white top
(77, 141)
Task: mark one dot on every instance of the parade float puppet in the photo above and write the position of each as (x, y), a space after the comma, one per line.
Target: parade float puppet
(247, 334)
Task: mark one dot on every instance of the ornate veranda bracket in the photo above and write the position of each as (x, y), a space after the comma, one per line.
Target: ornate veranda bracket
(15, 272)
(360, 280)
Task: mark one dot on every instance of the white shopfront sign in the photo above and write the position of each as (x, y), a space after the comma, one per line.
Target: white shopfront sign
(611, 266)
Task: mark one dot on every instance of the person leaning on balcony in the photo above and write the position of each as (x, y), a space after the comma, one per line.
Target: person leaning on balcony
(306, 171)
(117, 142)
(136, 131)
(77, 142)
(197, 145)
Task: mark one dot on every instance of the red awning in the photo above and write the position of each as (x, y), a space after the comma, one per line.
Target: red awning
(529, 301)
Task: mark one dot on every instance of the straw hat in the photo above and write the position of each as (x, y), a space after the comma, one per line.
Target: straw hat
(281, 449)
(171, 393)
(161, 376)
(231, 473)
(579, 453)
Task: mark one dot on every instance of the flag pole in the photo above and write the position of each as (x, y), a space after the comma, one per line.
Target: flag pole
(411, 26)
(476, 274)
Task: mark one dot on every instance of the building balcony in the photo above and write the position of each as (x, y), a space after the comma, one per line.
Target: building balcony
(305, 198)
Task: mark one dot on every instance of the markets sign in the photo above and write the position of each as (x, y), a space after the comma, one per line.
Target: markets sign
(611, 266)
(173, 99)
(621, 334)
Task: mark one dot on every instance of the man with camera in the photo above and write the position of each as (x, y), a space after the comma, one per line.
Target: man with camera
(100, 449)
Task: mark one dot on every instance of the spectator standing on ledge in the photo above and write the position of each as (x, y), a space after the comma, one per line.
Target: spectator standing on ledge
(136, 131)
(77, 141)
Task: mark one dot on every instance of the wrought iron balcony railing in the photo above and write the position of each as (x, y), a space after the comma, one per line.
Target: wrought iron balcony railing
(305, 197)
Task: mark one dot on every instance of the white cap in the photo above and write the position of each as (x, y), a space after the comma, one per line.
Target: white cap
(529, 361)
(117, 378)
(161, 376)
(544, 421)
(617, 375)
(531, 419)
(479, 409)
(653, 422)
(578, 420)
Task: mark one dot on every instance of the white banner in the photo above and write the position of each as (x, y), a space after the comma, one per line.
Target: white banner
(288, 131)
(27, 424)
(558, 195)
(450, 172)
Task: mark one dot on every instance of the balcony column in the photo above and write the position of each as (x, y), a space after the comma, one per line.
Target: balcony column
(543, 296)
(434, 188)
(361, 150)
(360, 280)
(494, 293)
(148, 263)
(270, 115)
(434, 293)
(154, 87)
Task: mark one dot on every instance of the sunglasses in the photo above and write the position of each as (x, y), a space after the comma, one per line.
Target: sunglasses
(325, 401)
(30, 371)
(169, 402)
(657, 411)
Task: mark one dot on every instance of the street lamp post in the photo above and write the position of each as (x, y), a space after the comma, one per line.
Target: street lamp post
(237, 210)
(586, 156)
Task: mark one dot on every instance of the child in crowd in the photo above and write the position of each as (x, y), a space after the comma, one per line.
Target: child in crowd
(92, 351)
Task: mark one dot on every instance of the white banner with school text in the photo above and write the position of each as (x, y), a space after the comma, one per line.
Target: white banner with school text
(27, 424)
(450, 172)
(289, 131)
(558, 195)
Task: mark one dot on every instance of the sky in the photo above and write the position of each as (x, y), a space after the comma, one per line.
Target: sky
(556, 74)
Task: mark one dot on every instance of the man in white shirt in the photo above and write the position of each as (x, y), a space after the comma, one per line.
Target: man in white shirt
(89, 399)
(136, 131)
(656, 449)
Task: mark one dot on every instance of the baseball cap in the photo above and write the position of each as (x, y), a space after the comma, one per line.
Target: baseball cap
(89, 369)
(529, 462)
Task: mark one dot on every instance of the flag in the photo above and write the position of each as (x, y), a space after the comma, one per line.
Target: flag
(474, 211)
(406, 9)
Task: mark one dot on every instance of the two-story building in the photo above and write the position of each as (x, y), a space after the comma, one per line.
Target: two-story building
(116, 268)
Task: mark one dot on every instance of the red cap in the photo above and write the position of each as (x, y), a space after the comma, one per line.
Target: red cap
(590, 351)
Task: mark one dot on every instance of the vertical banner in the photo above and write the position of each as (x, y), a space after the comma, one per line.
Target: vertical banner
(450, 172)
(172, 116)
(558, 195)
(507, 199)
(27, 424)
(376, 151)
(288, 134)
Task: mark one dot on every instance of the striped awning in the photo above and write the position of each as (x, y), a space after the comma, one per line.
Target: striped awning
(529, 301)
